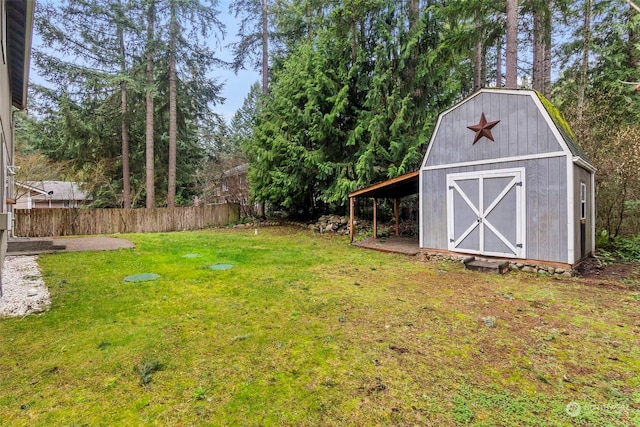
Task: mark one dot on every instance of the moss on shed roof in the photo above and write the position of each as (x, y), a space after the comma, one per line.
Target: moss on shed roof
(563, 127)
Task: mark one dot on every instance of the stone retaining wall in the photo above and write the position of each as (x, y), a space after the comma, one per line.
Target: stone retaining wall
(514, 265)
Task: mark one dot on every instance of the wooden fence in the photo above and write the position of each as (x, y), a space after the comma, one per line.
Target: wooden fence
(67, 222)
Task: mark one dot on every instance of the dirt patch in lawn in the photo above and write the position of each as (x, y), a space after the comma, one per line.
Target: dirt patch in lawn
(616, 274)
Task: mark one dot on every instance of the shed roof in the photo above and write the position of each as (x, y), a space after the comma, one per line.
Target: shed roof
(394, 188)
(555, 123)
(238, 170)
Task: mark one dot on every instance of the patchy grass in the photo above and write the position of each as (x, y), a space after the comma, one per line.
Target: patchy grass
(306, 330)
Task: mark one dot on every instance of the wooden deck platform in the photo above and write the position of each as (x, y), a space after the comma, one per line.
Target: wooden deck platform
(393, 244)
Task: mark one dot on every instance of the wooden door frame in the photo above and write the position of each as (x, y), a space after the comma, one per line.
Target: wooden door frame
(516, 173)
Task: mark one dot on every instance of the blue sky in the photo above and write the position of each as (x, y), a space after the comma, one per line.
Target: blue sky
(236, 85)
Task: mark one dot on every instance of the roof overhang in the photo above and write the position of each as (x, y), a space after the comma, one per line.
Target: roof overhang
(394, 188)
(584, 164)
(19, 35)
(31, 188)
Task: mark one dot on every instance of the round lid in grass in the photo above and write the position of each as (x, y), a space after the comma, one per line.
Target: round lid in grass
(141, 277)
(221, 266)
(191, 256)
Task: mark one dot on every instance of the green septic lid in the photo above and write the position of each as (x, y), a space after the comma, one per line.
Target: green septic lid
(191, 256)
(221, 266)
(141, 277)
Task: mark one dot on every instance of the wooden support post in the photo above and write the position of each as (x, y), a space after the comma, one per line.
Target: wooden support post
(375, 218)
(396, 212)
(351, 230)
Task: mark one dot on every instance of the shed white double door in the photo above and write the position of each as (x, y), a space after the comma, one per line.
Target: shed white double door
(486, 212)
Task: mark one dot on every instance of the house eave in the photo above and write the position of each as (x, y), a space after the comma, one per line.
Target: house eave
(583, 164)
(20, 16)
(31, 188)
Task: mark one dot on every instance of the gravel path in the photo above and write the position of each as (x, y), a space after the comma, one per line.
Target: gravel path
(23, 290)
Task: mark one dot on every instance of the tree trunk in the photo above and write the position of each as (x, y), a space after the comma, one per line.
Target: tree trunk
(414, 16)
(542, 50)
(512, 44)
(173, 121)
(633, 59)
(265, 49)
(582, 85)
(265, 71)
(478, 57)
(150, 156)
(546, 78)
(499, 63)
(538, 50)
(414, 13)
(126, 183)
(354, 43)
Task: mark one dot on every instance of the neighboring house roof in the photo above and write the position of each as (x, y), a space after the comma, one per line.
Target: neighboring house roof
(19, 34)
(238, 170)
(56, 190)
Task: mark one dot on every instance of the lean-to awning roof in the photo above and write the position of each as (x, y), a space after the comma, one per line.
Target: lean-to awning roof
(394, 188)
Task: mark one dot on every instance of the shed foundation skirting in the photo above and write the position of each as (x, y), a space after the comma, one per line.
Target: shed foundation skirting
(525, 265)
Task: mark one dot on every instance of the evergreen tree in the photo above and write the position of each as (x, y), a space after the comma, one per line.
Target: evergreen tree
(243, 122)
(95, 92)
(94, 37)
(602, 56)
(184, 44)
(348, 108)
(253, 34)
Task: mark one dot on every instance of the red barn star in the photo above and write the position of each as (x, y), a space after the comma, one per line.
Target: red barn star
(483, 129)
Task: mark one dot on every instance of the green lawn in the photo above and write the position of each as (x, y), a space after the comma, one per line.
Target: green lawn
(306, 330)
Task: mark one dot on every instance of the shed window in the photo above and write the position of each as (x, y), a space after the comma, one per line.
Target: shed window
(583, 200)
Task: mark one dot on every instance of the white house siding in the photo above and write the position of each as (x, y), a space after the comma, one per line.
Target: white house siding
(18, 16)
(6, 135)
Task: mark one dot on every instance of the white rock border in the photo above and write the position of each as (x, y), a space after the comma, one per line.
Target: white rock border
(23, 289)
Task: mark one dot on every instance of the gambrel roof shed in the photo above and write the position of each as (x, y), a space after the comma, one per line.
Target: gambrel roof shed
(504, 176)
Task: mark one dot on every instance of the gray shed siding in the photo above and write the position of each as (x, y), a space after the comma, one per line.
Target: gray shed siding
(584, 176)
(516, 134)
(529, 136)
(546, 206)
